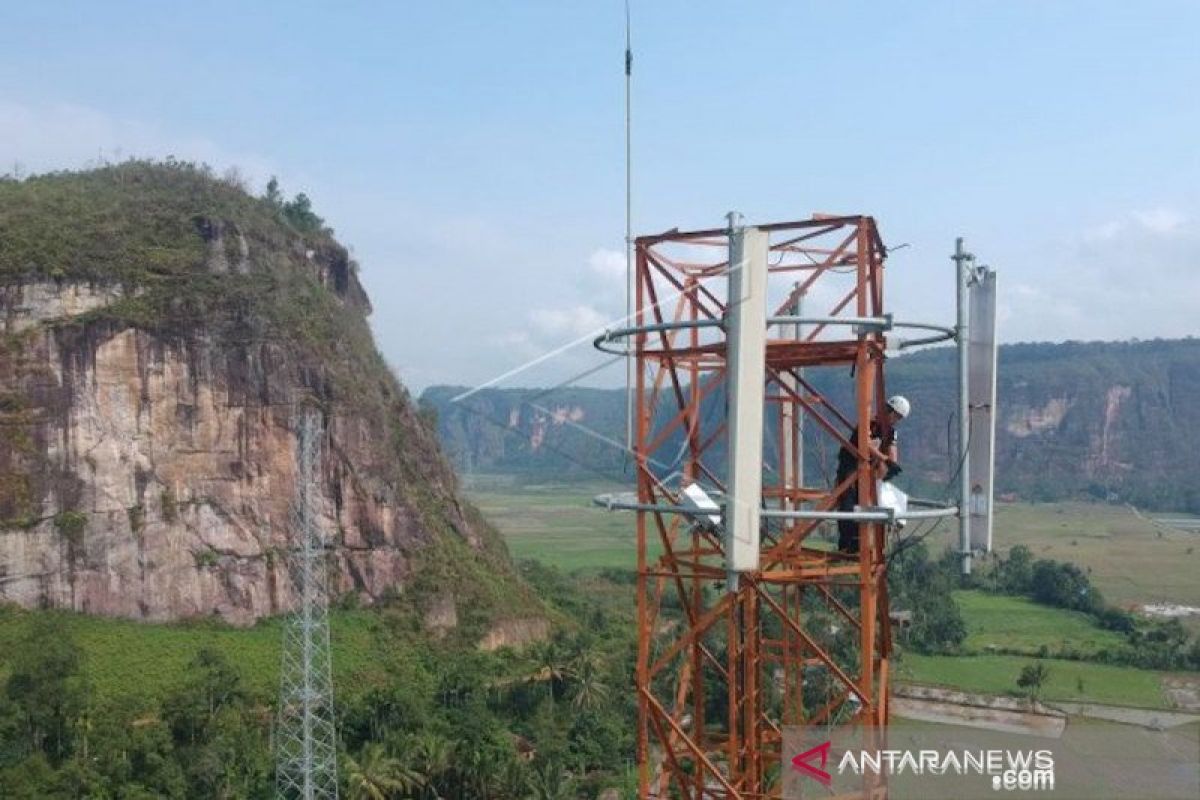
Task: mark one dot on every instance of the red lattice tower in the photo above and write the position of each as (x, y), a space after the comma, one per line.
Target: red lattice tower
(799, 633)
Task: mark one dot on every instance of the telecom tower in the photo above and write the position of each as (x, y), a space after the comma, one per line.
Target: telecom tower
(305, 738)
(745, 625)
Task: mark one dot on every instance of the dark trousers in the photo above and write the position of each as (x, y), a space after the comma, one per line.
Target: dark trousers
(848, 528)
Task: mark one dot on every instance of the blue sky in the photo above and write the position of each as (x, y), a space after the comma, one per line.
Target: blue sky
(471, 154)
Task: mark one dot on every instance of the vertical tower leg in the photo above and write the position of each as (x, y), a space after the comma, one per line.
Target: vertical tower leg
(744, 619)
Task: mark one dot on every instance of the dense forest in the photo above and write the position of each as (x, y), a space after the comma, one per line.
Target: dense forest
(418, 717)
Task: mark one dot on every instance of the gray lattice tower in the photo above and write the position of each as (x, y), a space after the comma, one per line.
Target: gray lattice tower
(305, 738)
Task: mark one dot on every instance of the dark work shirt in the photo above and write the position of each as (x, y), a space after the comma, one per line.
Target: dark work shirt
(848, 460)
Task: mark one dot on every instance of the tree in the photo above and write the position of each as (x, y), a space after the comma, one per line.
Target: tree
(432, 756)
(212, 685)
(1016, 571)
(1193, 655)
(1161, 645)
(1055, 583)
(481, 768)
(1114, 619)
(599, 739)
(219, 743)
(551, 782)
(273, 196)
(32, 779)
(47, 689)
(550, 666)
(152, 760)
(375, 775)
(299, 213)
(514, 779)
(923, 588)
(589, 690)
(383, 712)
(1032, 678)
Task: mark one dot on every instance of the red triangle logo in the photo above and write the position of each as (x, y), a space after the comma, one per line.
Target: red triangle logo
(801, 763)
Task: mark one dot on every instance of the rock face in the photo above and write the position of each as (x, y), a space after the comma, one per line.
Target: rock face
(515, 633)
(1105, 421)
(148, 453)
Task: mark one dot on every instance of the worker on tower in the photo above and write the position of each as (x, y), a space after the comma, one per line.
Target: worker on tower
(883, 440)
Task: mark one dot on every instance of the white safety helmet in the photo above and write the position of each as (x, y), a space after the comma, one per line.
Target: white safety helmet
(899, 403)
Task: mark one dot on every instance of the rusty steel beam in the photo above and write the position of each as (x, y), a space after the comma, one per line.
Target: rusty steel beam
(763, 639)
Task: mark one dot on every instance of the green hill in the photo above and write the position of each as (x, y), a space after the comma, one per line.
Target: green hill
(161, 331)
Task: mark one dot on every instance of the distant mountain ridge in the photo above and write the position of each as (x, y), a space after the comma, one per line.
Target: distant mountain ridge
(1103, 420)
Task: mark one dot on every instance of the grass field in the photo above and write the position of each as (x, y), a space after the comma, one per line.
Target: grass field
(1131, 561)
(1101, 683)
(559, 525)
(1016, 623)
(123, 657)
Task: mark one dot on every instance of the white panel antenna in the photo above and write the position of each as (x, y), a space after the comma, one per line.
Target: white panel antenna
(746, 338)
(981, 399)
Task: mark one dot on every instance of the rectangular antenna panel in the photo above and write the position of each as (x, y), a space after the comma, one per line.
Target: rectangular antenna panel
(981, 397)
(746, 355)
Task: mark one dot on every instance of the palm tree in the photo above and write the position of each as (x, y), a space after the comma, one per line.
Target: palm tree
(482, 772)
(551, 782)
(432, 755)
(514, 779)
(375, 775)
(549, 666)
(590, 690)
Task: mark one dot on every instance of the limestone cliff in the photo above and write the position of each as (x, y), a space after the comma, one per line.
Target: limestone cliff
(1097, 420)
(160, 331)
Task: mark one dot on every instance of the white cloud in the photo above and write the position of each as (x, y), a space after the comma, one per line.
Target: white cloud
(555, 343)
(1155, 220)
(1105, 231)
(592, 300)
(573, 322)
(609, 264)
(1134, 276)
(1160, 220)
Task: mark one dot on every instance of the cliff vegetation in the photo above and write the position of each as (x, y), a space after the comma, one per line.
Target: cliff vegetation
(161, 329)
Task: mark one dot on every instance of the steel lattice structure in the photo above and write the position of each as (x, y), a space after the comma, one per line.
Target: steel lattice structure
(726, 661)
(305, 736)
